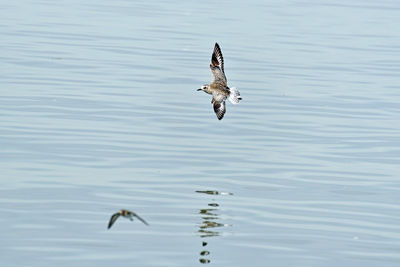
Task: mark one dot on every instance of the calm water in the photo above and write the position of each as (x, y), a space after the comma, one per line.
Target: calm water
(98, 112)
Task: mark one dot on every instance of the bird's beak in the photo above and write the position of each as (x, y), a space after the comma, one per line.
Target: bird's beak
(199, 89)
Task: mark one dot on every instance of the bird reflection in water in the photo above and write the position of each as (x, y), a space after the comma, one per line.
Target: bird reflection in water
(209, 223)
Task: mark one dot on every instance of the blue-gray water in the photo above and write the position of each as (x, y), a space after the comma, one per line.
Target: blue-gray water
(98, 112)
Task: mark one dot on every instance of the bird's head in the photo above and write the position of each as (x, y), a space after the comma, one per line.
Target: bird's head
(204, 88)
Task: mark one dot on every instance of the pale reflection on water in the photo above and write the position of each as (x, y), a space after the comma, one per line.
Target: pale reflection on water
(210, 224)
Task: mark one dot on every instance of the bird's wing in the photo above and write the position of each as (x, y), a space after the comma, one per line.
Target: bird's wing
(217, 66)
(219, 108)
(113, 219)
(142, 220)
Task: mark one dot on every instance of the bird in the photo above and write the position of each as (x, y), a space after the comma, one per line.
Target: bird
(218, 87)
(124, 213)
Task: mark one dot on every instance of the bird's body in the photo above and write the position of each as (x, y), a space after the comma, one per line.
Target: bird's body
(124, 213)
(218, 87)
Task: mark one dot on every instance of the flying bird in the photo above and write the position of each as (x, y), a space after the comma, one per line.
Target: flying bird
(124, 213)
(218, 87)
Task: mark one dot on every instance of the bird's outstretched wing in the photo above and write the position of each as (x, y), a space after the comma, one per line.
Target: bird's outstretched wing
(219, 108)
(140, 219)
(113, 218)
(217, 66)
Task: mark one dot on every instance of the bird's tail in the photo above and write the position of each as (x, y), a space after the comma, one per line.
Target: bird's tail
(234, 95)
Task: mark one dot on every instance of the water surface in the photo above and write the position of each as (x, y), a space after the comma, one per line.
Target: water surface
(98, 112)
